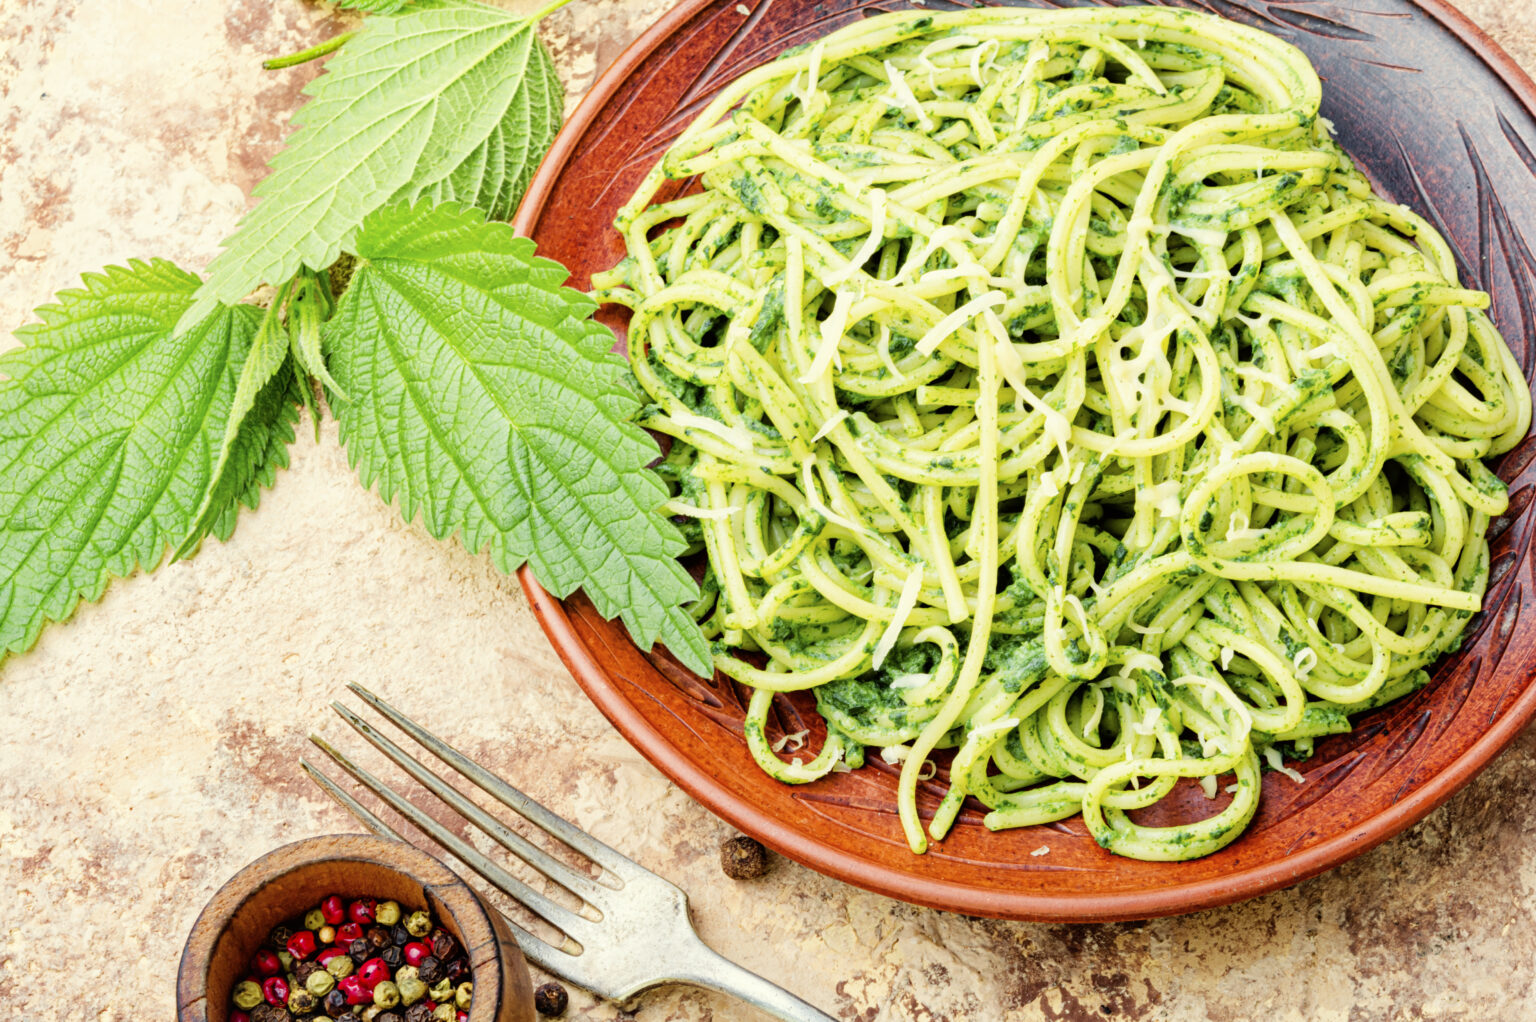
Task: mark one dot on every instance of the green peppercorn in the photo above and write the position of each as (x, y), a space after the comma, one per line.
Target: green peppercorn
(412, 990)
(314, 919)
(387, 913)
(444, 1013)
(320, 983)
(302, 1002)
(441, 992)
(303, 971)
(418, 924)
(247, 995)
(462, 995)
(386, 994)
(341, 966)
(285, 958)
(371, 1012)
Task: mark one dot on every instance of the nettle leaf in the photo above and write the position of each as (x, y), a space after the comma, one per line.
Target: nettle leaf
(486, 401)
(457, 101)
(496, 174)
(261, 389)
(111, 424)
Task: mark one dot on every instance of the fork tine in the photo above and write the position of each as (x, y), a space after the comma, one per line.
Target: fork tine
(349, 803)
(572, 924)
(578, 883)
(507, 795)
(533, 947)
(537, 950)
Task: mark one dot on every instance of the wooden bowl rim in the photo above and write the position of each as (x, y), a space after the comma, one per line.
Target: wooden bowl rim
(399, 856)
(1239, 885)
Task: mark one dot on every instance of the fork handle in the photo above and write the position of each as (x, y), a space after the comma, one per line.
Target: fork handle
(707, 968)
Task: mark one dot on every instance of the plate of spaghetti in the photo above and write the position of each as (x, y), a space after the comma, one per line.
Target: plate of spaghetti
(1100, 433)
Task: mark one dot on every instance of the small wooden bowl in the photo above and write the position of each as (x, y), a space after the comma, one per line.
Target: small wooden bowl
(286, 882)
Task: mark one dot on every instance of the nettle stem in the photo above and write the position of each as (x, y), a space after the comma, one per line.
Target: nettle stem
(548, 8)
(305, 56)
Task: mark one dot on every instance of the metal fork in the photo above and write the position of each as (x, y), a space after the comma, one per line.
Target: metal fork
(642, 936)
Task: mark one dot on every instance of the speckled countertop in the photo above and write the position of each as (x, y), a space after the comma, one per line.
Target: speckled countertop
(151, 744)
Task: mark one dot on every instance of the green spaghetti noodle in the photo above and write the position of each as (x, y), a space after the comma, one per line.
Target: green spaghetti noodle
(1049, 387)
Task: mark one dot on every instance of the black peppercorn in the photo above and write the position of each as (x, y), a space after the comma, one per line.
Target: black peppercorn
(443, 944)
(457, 970)
(393, 957)
(378, 937)
(277, 940)
(271, 1013)
(348, 1016)
(335, 1003)
(387, 1016)
(551, 1000)
(303, 970)
(399, 935)
(360, 950)
(431, 971)
(742, 858)
(418, 1013)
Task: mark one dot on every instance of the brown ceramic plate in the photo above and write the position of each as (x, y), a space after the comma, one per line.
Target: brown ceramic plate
(1442, 120)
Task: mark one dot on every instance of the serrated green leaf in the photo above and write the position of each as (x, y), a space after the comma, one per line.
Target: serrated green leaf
(452, 101)
(487, 401)
(256, 389)
(110, 427)
(305, 316)
(495, 175)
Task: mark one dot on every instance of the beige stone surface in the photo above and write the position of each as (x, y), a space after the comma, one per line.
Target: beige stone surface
(151, 745)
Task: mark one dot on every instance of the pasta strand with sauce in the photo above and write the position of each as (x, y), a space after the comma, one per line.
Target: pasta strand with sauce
(1048, 386)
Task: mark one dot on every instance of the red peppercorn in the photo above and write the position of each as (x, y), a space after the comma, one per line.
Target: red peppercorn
(275, 990)
(239, 1016)
(462, 1016)
(301, 945)
(372, 972)
(346, 933)
(415, 951)
(265, 963)
(360, 912)
(327, 954)
(356, 993)
(334, 910)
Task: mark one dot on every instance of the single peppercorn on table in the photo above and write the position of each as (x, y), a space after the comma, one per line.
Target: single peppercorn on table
(152, 745)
